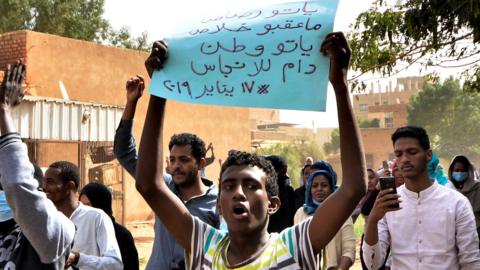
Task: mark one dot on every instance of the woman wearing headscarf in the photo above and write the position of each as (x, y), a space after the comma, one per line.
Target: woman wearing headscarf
(462, 175)
(97, 195)
(367, 204)
(340, 252)
(300, 192)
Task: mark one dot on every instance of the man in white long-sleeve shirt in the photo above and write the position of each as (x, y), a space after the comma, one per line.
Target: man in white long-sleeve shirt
(434, 228)
(33, 234)
(95, 245)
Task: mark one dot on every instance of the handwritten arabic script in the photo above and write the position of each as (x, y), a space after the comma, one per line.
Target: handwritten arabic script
(258, 58)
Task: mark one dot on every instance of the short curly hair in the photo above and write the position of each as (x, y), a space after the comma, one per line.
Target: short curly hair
(68, 172)
(198, 145)
(240, 158)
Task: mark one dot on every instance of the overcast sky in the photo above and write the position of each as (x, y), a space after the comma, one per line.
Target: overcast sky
(160, 17)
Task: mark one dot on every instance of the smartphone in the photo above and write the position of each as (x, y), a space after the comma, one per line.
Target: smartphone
(389, 182)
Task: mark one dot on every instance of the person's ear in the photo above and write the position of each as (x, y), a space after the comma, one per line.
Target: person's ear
(273, 205)
(429, 154)
(71, 185)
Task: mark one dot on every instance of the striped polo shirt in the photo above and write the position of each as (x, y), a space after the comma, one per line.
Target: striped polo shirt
(289, 250)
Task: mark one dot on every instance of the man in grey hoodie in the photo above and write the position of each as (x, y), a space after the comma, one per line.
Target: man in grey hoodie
(33, 234)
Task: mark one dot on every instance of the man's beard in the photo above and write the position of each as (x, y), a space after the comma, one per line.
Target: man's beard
(190, 178)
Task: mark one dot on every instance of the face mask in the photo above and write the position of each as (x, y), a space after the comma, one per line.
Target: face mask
(5, 210)
(459, 176)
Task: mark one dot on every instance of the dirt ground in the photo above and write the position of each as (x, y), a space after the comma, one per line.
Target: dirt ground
(143, 235)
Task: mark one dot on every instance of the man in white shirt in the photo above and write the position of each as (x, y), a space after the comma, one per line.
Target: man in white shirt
(94, 245)
(434, 228)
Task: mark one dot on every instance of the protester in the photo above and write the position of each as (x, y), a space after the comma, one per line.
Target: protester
(386, 169)
(366, 207)
(300, 192)
(249, 194)
(308, 161)
(208, 160)
(187, 158)
(95, 245)
(33, 234)
(462, 175)
(283, 218)
(397, 173)
(340, 252)
(372, 192)
(434, 228)
(99, 196)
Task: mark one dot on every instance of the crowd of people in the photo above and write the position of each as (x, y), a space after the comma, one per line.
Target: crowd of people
(253, 218)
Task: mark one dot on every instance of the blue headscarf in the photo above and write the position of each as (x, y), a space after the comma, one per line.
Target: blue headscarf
(311, 204)
(5, 210)
(323, 165)
(436, 171)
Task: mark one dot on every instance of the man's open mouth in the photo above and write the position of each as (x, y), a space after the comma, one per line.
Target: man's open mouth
(238, 210)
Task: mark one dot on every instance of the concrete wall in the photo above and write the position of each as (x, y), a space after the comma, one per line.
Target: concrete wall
(377, 145)
(49, 152)
(96, 73)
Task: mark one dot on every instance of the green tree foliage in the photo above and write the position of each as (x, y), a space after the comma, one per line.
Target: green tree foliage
(15, 15)
(333, 146)
(78, 19)
(451, 117)
(365, 123)
(123, 38)
(429, 32)
(294, 154)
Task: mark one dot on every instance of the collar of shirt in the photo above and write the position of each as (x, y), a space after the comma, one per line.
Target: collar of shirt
(211, 189)
(424, 194)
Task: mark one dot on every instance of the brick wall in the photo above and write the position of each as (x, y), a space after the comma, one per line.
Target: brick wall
(12, 47)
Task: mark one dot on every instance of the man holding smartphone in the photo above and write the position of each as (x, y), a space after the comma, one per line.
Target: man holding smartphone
(434, 227)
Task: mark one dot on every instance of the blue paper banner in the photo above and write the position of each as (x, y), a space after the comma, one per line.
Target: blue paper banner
(267, 57)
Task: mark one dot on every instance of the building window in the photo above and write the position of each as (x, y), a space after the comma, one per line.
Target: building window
(363, 107)
(389, 120)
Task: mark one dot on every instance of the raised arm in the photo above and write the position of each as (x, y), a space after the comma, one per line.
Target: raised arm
(334, 211)
(166, 205)
(124, 145)
(210, 159)
(48, 231)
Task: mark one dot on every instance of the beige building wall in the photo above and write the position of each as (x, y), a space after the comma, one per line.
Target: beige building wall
(387, 103)
(263, 116)
(377, 145)
(388, 95)
(96, 73)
